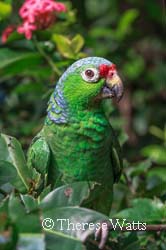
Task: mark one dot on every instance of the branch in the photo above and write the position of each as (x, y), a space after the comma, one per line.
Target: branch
(3, 192)
(95, 243)
(153, 227)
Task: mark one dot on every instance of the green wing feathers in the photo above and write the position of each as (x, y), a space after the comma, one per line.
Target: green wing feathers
(116, 157)
(39, 154)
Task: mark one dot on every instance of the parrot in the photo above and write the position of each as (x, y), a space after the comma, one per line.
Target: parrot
(77, 141)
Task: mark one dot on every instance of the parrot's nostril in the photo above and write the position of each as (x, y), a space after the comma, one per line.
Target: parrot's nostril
(111, 74)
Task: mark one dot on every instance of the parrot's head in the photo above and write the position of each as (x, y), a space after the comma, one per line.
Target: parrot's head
(91, 79)
(84, 85)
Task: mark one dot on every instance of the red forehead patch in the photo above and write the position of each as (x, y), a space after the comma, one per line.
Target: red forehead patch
(104, 69)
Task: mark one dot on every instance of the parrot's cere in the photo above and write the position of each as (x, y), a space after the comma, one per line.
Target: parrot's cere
(77, 142)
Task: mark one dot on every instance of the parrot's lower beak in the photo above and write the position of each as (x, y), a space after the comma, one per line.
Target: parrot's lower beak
(113, 88)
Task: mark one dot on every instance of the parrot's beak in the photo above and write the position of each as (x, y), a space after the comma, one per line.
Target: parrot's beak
(115, 86)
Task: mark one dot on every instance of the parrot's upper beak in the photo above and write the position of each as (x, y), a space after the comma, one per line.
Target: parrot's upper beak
(113, 84)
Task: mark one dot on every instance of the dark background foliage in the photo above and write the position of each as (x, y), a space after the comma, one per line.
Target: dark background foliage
(131, 34)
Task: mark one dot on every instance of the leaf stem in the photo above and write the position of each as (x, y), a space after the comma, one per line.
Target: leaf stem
(129, 183)
(48, 59)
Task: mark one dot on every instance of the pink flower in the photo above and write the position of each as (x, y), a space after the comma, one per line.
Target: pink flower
(7, 32)
(59, 7)
(46, 19)
(27, 29)
(38, 14)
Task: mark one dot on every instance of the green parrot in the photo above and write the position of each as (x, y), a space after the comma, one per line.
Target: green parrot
(77, 142)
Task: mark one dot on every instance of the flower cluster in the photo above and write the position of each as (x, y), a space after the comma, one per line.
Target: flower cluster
(36, 15)
(6, 33)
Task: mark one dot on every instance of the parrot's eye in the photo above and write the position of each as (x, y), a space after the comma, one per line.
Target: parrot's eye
(90, 75)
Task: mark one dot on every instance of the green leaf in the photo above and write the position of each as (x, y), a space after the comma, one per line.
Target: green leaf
(144, 210)
(69, 195)
(131, 242)
(44, 193)
(140, 168)
(64, 46)
(60, 242)
(157, 172)
(155, 186)
(77, 225)
(31, 241)
(9, 178)
(25, 67)
(13, 62)
(61, 204)
(5, 10)
(29, 202)
(37, 179)
(156, 132)
(156, 153)
(126, 20)
(29, 222)
(134, 65)
(77, 43)
(11, 151)
(14, 36)
(7, 172)
(69, 48)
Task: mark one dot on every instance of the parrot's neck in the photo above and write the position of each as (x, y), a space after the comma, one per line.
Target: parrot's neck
(59, 112)
(78, 114)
